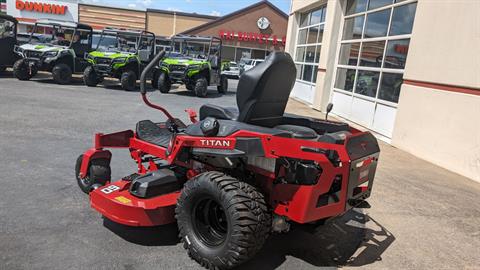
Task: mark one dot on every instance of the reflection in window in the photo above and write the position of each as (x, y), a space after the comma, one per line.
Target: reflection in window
(320, 34)
(345, 78)
(312, 34)
(396, 54)
(373, 4)
(367, 82)
(316, 16)
(304, 19)
(307, 73)
(377, 24)
(390, 87)
(300, 54)
(372, 53)
(349, 54)
(310, 54)
(317, 53)
(402, 20)
(315, 71)
(356, 6)
(352, 28)
(302, 36)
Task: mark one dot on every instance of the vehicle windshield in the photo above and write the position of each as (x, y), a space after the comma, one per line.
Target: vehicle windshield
(247, 61)
(125, 42)
(55, 35)
(176, 55)
(104, 43)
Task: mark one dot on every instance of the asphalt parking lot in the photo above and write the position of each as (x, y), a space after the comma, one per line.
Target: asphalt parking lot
(422, 216)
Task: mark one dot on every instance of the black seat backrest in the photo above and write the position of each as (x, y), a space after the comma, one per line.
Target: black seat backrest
(263, 91)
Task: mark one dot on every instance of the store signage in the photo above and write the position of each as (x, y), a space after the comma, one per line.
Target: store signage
(252, 37)
(40, 7)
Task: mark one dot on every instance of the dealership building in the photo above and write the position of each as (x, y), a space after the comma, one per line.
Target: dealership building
(409, 70)
(250, 32)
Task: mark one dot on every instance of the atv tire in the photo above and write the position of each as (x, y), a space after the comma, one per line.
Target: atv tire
(62, 73)
(90, 77)
(222, 222)
(201, 87)
(163, 84)
(99, 173)
(128, 80)
(223, 87)
(21, 70)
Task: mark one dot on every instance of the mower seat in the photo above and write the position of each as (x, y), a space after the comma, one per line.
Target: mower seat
(262, 93)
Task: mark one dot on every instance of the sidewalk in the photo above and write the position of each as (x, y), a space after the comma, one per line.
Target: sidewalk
(422, 217)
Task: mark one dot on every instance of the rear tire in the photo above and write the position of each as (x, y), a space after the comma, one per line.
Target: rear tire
(90, 77)
(222, 222)
(163, 84)
(201, 87)
(223, 87)
(99, 172)
(62, 73)
(128, 80)
(21, 70)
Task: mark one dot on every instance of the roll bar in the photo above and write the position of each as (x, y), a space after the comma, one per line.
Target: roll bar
(143, 80)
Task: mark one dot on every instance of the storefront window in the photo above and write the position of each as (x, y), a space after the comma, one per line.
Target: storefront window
(373, 49)
(228, 53)
(309, 44)
(243, 53)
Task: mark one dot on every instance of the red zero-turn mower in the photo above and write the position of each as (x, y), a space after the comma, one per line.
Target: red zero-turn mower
(237, 175)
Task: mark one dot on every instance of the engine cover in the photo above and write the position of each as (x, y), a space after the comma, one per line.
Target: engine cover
(154, 184)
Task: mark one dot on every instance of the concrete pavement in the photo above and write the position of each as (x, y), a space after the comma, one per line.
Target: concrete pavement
(422, 216)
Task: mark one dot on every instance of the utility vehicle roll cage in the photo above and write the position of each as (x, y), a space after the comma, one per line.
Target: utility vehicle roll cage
(138, 34)
(211, 40)
(59, 24)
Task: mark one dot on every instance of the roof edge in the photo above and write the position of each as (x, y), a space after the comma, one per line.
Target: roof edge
(275, 8)
(196, 15)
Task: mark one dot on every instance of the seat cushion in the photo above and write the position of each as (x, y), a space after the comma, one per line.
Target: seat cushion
(210, 110)
(299, 132)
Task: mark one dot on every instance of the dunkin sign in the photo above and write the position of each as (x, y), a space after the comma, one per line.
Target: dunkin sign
(40, 7)
(66, 10)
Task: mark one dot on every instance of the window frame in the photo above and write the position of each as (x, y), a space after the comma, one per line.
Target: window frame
(320, 25)
(361, 40)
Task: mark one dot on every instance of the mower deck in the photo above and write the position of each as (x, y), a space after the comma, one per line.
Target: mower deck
(115, 202)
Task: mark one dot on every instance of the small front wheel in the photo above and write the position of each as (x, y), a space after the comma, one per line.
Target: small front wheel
(128, 80)
(99, 172)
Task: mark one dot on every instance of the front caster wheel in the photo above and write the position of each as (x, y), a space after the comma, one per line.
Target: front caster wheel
(99, 173)
(222, 221)
(163, 83)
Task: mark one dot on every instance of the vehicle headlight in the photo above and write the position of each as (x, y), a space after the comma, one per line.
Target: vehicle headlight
(119, 60)
(50, 54)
